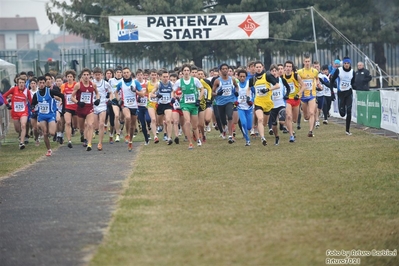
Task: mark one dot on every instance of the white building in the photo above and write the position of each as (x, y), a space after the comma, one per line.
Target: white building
(18, 33)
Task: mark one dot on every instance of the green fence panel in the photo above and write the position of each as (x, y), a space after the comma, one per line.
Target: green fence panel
(369, 108)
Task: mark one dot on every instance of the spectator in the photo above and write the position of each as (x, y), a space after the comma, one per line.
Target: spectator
(362, 78)
(6, 85)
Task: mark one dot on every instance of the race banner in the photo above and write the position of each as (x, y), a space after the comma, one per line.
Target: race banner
(390, 110)
(192, 27)
(369, 108)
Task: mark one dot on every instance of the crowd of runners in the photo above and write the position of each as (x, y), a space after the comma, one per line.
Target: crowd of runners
(184, 103)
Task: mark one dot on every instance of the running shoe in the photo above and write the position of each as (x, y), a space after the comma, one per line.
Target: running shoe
(99, 147)
(170, 141)
(325, 122)
(298, 127)
(85, 143)
(190, 146)
(21, 146)
(277, 141)
(82, 138)
(49, 152)
(264, 142)
(55, 138)
(146, 143)
(248, 143)
(199, 143)
(127, 139)
(310, 134)
(165, 138)
(292, 139)
(37, 142)
(118, 138)
(271, 132)
(61, 140)
(285, 130)
(204, 138)
(88, 147)
(130, 146)
(231, 141)
(156, 139)
(252, 132)
(317, 124)
(111, 139)
(177, 141)
(69, 144)
(208, 128)
(348, 133)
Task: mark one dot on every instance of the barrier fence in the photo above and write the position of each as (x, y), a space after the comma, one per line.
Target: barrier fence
(376, 109)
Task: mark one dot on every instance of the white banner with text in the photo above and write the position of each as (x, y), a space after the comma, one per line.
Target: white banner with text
(192, 27)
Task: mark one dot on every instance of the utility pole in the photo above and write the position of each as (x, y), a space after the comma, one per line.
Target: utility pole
(314, 34)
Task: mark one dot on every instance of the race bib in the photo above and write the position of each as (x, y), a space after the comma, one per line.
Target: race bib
(308, 84)
(19, 107)
(277, 95)
(44, 108)
(242, 98)
(165, 99)
(292, 88)
(258, 90)
(69, 99)
(143, 101)
(189, 98)
(226, 91)
(129, 101)
(176, 105)
(344, 85)
(85, 97)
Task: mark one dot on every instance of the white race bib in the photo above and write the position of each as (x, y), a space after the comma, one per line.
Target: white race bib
(189, 98)
(143, 101)
(85, 97)
(69, 99)
(44, 108)
(344, 85)
(258, 90)
(19, 106)
(129, 101)
(308, 84)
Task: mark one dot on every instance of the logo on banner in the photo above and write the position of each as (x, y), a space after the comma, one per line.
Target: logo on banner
(249, 25)
(127, 31)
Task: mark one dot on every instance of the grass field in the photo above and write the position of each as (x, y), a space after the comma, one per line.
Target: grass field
(223, 204)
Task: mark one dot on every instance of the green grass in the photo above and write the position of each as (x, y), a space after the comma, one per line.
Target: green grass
(227, 204)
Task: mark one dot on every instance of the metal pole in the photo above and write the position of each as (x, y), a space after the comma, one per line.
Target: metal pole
(63, 45)
(314, 34)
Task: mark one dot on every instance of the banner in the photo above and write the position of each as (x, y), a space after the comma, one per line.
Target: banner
(192, 27)
(369, 108)
(390, 110)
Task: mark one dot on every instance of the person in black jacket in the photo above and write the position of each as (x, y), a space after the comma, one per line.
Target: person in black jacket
(362, 79)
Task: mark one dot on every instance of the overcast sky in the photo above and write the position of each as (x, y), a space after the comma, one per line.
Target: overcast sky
(28, 8)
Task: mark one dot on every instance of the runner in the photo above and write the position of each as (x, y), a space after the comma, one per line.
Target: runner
(114, 109)
(70, 107)
(309, 75)
(20, 102)
(82, 95)
(205, 108)
(144, 117)
(190, 102)
(345, 77)
(100, 111)
(33, 118)
(293, 101)
(225, 89)
(263, 84)
(152, 103)
(129, 88)
(163, 91)
(245, 105)
(47, 109)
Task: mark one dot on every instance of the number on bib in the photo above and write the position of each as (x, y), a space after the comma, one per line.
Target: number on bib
(85, 97)
(19, 107)
(189, 98)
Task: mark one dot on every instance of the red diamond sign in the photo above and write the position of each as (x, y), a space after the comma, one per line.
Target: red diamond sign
(249, 25)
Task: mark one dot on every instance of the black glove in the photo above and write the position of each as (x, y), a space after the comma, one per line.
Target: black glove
(107, 96)
(114, 101)
(9, 107)
(264, 90)
(296, 97)
(81, 104)
(249, 102)
(197, 103)
(97, 102)
(133, 89)
(159, 96)
(172, 101)
(236, 94)
(332, 96)
(208, 101)
(220, 92)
